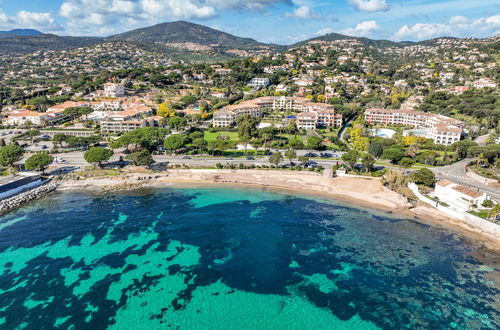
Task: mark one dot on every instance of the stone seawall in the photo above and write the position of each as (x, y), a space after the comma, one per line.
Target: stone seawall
(17, 201)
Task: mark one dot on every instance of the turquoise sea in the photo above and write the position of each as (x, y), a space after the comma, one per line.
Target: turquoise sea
(232, 258)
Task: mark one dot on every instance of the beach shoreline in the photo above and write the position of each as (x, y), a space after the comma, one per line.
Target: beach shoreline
(365, 193)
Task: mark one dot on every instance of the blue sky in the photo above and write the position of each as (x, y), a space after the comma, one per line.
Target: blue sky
(278, 21)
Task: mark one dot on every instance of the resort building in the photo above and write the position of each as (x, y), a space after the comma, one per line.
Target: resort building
(443, 130)
(324, 114)
(459, 196)
(228, 115)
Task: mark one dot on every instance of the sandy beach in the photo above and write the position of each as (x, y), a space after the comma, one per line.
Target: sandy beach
(363, 192)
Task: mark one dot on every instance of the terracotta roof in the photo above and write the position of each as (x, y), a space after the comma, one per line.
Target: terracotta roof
(27, 113)
(444, 183)
(468, 191)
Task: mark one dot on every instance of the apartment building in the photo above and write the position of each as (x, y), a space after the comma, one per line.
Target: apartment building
(114, 90)
(443, 130)
(228, 115)
(307, 120)
(324, 114)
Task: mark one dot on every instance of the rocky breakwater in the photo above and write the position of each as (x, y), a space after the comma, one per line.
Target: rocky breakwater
(21, 199)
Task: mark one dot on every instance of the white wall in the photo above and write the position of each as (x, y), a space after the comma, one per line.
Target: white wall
(477, 222)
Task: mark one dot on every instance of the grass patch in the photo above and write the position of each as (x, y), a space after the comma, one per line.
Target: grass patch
(212, 136)
(482, 214)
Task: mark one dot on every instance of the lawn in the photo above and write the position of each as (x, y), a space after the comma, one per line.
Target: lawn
(212, 136)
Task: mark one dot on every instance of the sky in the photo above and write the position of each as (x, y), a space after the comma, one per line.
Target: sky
(270, 21)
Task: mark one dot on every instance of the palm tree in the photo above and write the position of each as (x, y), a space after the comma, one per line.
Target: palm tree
(482, 161)
(494, 212)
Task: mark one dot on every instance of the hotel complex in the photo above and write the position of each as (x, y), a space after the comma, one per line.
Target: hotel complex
(310, 115)
(443, 130)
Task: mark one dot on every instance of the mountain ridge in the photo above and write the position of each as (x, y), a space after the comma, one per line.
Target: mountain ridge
(178, 34)
(20, 32)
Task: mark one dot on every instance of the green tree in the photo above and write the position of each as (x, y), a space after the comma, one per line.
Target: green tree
(32, 134)
(368, 161)
(247, 126)
(175, 142)
(38, 161)
(394, 154)
(10, 154)
(177, 123)
(314, 143)
(59, 138)
(406, 162)
(141, 158)
(97, 155)
(462, 148)
(290, 154)
(351, 158)
(376, 149)
(423, 176)
(295, 144)
(276, 158)
(200, 143)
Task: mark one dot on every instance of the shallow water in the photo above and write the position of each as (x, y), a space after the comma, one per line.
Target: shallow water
(227, 258)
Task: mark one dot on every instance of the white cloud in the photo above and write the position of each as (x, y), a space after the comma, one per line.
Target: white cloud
(370, 5)
(363, 29)
(109, 16)
(29, 20)
(457, 26)
(302, 12)
(458, 20)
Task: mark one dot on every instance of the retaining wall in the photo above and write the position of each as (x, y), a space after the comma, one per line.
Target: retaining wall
(480, 223)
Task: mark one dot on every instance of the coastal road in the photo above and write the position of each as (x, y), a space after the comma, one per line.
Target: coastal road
(76, 160)
(456, 173)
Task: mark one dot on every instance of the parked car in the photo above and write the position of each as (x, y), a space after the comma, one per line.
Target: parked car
(186, 157)
(311, 154)
(311, 164)
(44, 146)
(229, 158)
(250, 158)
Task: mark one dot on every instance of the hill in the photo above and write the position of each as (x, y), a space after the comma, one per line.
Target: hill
(337, 36)
(16, 44)
(20, 32)
(185, 32)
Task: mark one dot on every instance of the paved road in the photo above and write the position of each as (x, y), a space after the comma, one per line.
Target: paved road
(75, 160)
(456, 173)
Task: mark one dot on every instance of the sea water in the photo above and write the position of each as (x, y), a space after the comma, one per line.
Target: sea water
(235, 259)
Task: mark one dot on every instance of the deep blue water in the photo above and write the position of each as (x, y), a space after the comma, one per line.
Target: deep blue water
(235, 259)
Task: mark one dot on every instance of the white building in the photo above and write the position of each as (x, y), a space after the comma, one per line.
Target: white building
(114, 90)
(443, 130)
(458, 196)
(259, 82)
(23, 116)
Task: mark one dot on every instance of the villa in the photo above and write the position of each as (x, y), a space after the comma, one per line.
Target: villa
(459, 196)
